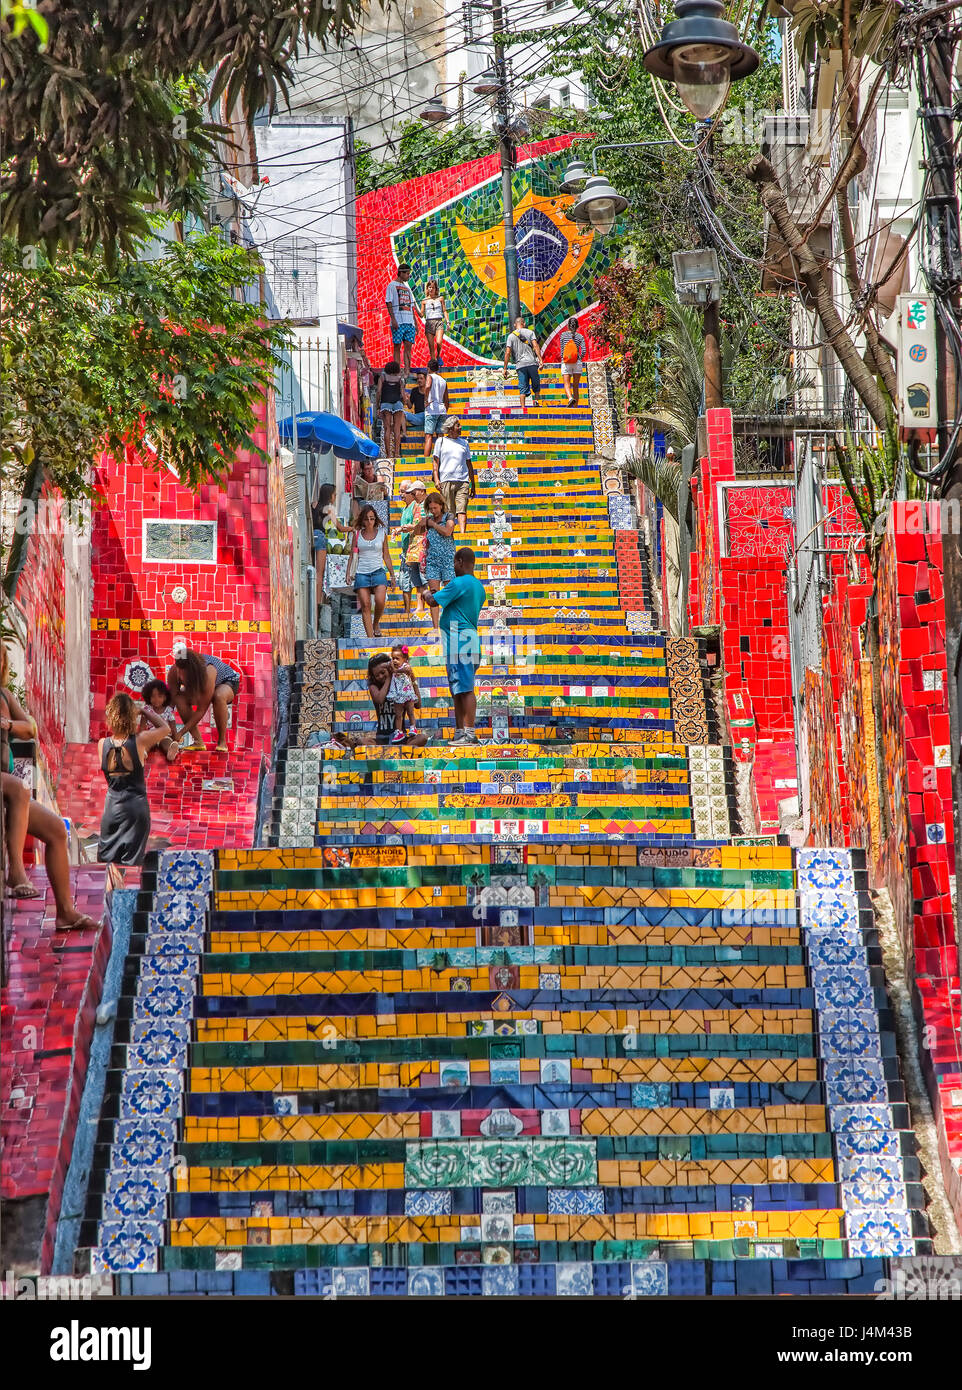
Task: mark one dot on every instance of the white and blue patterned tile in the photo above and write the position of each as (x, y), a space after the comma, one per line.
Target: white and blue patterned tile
(351, 1283)
(836, 948)
(158, 1044)
(871, 1233)
(649, 1279)
(428, 1203)
(824, 868)
(855, 1081)
(164, 998)
(185, 871)
(848, 1033)
(426, 1282)
(177, 911)
(127, 1247)
(828, 909)
(166, 943)
(135, 1194)
(576, 1201)
(172, 963)
(868, 1183)
(574, 1280)
(150, 1094)
(144, 1144)
(842, 989)
(500, 1281)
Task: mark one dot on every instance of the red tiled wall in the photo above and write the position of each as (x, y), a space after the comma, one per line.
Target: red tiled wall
(40, 596)
(229, 607)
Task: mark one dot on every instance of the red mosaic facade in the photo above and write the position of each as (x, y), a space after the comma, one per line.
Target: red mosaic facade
(239, 608)
(40, 596)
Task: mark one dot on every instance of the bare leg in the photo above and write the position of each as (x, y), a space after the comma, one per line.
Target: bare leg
(186, 713)
(398, 423)
(575, 384)
(387, 432)
(462, 522)
(434, 585)
(223, 698)
(458, 711)
(407, 357)
(364, 599)
(50, 830)
(17, 798)
(469, 709)
(380, 598)
(566, 381)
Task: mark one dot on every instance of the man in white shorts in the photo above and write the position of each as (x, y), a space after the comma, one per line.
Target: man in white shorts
(454, 471)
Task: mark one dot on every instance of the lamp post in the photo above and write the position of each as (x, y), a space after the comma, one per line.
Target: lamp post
(493, 82)
(506, 154)
(702, 54)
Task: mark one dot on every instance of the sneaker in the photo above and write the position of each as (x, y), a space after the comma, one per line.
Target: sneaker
(459, 736)
(412, 731)
(468, 736)
(398, 736)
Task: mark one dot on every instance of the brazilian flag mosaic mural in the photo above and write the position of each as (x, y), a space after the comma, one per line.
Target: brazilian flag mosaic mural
(461, 245)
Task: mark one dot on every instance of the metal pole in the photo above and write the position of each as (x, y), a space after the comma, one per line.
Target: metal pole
(935, 67)
(506, 153)
(712, 356)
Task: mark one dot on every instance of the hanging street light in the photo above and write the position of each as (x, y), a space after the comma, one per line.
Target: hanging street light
(435, 112)
(488, 84)
(702, 53)
(576, 176)
(600, 204)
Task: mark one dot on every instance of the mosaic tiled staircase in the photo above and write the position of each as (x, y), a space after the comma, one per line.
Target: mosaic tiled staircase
(517, 1018)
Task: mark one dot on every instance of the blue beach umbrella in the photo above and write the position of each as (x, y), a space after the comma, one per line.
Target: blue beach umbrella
(330, 431)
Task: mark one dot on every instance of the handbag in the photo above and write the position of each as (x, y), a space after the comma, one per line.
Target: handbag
(352, 564)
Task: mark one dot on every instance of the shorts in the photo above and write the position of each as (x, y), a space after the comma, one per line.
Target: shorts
(572, 368)
(432, 325)
(391, 407)
(529, 382)
(414, 575)
(404, 579)
(461, 677)
(439, 568)
(233, 680)
(370, 581)
(320, 540)
(404, 333)
(456, 495)
(434, 424)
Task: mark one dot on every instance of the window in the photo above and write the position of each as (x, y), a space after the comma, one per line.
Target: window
(180, 542)
(564, 96)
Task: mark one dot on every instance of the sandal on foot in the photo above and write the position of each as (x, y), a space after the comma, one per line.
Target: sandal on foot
(83, 923)
(23, 891)
(222, 748)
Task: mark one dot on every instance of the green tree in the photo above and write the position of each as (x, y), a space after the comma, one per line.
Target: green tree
(670, 191)
(163, 349)
(98, 128)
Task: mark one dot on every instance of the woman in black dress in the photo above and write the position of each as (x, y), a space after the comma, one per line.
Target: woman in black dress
(125, 827)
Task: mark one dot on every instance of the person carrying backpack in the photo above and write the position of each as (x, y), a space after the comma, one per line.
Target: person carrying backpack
(573, 353)
(523, 346)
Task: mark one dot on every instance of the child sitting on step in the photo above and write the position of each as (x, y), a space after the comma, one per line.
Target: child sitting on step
(404, 692)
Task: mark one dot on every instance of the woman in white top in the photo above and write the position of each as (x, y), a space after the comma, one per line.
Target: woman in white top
(435, 317)
(373, 559)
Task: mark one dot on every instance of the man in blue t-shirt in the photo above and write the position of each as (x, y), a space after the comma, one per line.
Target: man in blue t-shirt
(461, 602)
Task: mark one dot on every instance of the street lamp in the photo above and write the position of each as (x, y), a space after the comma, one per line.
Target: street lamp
(488, 84)
(702, 54)
(435, 112)
(576, 176)
(599, 204)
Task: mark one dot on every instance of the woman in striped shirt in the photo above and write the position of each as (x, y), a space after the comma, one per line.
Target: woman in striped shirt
(198, 683)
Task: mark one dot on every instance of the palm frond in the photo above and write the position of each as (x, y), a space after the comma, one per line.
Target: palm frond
(661, 476)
